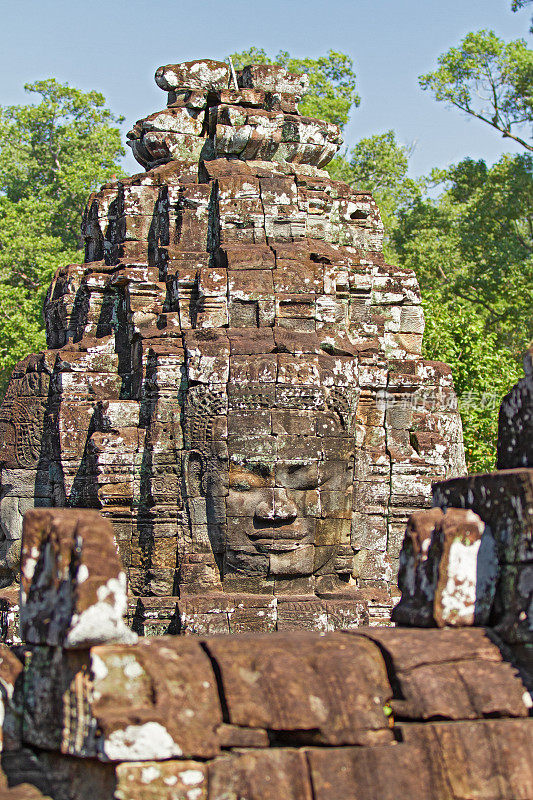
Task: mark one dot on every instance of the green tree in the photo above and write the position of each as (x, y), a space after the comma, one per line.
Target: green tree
(52, 155)
(29, 255)
(489, 79)
(475, 242)
(58, 150)
(332, 81)
(472, 251)
(483, 371)
(472, 247)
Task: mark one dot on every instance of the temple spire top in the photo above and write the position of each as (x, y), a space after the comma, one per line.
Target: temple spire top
(207, 117)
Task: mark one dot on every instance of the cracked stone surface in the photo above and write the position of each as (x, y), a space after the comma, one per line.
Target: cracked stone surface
(300, 715)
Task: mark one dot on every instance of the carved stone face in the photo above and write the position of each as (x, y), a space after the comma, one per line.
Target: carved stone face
(283, 519)
(274, 466)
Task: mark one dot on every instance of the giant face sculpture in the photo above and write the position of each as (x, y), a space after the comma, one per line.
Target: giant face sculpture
(186, 392)
(269, 464)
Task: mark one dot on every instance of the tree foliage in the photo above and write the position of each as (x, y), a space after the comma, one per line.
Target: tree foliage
(472, 250)
(332, 81)
(52, 154)
(472, 246)
(489, 79)
(57, 151)
(483, 371)
(475, 242)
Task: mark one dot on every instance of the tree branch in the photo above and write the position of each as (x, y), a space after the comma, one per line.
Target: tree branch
(505, 133)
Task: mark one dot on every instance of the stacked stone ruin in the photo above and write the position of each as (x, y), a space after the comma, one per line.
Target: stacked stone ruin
(171, 428)
(469, 560)
(234, 375)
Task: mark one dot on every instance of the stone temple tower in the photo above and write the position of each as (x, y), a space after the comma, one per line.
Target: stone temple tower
(234, 375)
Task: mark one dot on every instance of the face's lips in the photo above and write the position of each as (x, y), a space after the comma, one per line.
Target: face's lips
(279, 534)
(276, 545)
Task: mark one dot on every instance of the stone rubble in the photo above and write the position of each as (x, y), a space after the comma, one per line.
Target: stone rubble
(448, 570)
(73, 587)
(469, 560)
(489, 580)
(297, 714)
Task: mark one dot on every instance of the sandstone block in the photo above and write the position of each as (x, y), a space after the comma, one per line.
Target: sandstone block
(260, 775)
(155, 700)
(24, 791)
(448, 570)
(272, 78)
(515, 423)
(73, 588)
(504, 500)
(10, 700)
(495, 750)
(464, 554)
(449, 674)
(343, 772)
(203, 74)
(300, 665)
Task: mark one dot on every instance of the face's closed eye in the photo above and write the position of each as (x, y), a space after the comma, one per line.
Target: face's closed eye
(297, 475)
(247, 477)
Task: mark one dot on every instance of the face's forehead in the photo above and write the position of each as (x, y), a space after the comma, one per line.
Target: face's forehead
(284, 418)
(237, 357)
(261, 423)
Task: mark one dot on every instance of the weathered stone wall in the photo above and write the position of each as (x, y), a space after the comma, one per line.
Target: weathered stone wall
(298, 714)
(270, 716)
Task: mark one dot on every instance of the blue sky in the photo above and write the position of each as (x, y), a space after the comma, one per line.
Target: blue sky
(116, 45)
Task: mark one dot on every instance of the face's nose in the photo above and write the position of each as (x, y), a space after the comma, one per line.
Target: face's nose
(279, 507)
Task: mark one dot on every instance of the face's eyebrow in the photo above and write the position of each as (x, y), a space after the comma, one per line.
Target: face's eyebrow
(253, 465)
(296, 463)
